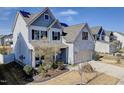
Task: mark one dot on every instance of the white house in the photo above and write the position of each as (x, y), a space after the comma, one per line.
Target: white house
(120, 37)
(105, 41)
(44, 30)
(29, 31)
(80, 43)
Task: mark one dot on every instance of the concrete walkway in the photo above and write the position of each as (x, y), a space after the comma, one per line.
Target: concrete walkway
(109, 69)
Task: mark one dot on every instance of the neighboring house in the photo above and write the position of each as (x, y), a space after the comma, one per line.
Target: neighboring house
(98, 33)
(36, 30)
(120, 37)
(105, 41)
(6, 40)
(80, 43)
(1, 40)
(109, 36)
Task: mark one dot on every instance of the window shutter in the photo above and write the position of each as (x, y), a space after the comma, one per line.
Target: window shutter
(46, 33)
(32, 34)
(53, 35)
(58, 35)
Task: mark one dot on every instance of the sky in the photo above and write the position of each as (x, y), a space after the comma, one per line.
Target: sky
(111, 19)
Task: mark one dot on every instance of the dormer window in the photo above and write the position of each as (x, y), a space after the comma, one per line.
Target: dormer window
(46, 16)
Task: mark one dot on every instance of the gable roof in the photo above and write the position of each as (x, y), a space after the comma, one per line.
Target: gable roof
(108, 33)
(31, 17)
(72, 32)
(95, 29)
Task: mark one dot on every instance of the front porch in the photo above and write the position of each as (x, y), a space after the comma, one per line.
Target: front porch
(56, 53)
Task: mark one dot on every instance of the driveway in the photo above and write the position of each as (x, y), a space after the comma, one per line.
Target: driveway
(109, 69)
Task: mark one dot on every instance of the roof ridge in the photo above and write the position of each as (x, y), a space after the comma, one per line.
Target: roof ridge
(76, 25)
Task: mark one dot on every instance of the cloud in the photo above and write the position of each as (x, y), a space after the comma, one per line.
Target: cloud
(68, 12)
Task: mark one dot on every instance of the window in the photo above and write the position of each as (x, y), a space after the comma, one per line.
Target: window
(37, 58)
(84, 35)
(56, 35)
(43, 34)
(46, 16)
(35, 35)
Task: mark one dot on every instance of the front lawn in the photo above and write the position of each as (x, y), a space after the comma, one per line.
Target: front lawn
(103, 79)
(13, 74)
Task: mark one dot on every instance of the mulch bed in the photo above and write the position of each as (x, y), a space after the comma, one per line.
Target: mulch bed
(50, 74)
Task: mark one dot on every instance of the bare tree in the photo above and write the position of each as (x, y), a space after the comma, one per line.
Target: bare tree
(48, 53)
(81, 73)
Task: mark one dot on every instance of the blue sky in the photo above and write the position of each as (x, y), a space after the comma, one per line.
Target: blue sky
(109, 18)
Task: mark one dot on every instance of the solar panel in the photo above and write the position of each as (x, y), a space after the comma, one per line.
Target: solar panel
(64, 24)
(25, 14)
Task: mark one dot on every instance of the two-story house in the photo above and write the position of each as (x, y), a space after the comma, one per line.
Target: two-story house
(44, 30)
(98, 33)
(35, 30)
(105, 41)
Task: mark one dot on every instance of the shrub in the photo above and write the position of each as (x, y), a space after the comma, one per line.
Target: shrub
(61, 65)
(47, 65)
(28, 69)
(54, 65)
(96, 56)
(42, 70)
(118, 57)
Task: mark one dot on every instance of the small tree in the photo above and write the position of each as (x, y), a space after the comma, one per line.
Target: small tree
(80, 70)
(49, 54)
(28, 69)
(96, 56)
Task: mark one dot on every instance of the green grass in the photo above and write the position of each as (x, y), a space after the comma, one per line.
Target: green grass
(13, 74)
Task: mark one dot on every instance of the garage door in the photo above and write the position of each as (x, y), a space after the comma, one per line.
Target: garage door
(83, 56)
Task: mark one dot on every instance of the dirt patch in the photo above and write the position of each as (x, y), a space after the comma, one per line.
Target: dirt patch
(50, 74)
(69, 78)
(13, 74)
(103, 79)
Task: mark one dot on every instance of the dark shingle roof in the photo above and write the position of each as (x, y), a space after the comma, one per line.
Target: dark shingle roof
(29, 18)
(96, 29)
(72, 32)
(32, 16)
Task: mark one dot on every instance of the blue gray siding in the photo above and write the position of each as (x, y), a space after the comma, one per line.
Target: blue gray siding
(42, 22)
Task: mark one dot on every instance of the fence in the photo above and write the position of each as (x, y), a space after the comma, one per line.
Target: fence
(4, 59)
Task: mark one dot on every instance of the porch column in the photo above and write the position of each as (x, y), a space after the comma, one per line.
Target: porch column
(33, 59)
